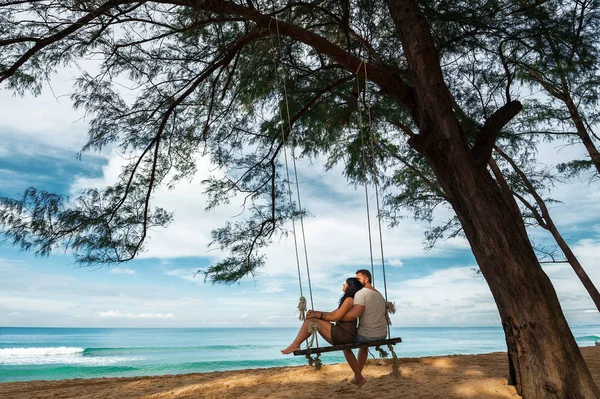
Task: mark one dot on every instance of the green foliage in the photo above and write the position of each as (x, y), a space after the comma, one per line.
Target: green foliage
(575, 168)
(98, 227)
(215, 78)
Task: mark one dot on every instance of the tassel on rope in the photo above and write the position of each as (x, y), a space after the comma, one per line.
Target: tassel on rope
(396, 370)
(316, 362)
(382, 352)
(313, 328)
(391, 309)
(302, 308)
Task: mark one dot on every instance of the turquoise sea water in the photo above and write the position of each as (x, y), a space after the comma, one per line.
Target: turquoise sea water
(63, 353)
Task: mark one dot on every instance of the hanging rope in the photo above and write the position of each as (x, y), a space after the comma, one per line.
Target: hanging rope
(302, 302)
(389, 305)
(313, 328)
(364, 163)
(289, 121)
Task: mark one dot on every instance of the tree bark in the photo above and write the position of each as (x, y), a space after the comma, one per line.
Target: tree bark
(542, 352)
(545, 221)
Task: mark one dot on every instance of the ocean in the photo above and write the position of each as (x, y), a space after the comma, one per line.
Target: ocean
(64, 353)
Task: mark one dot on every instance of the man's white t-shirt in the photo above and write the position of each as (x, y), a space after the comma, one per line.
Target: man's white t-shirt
(372, 323)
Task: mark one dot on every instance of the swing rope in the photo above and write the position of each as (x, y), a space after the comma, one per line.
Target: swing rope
(390, 308)
(364, 163)
(313, 327)
(302, 303)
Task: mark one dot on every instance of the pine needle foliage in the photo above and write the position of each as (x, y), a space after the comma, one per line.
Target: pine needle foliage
(180, 79)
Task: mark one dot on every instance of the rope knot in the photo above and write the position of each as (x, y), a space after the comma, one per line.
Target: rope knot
(312, 328)
(391, 309)
(302, 308)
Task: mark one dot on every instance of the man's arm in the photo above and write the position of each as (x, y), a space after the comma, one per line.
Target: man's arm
(354, 313)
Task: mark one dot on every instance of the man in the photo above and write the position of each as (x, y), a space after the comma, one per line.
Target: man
(369, 308)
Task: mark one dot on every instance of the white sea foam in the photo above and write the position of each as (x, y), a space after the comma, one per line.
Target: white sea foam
(56, 355)
(36, 352)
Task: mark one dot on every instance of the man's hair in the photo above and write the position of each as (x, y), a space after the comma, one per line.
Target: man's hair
(365, 273)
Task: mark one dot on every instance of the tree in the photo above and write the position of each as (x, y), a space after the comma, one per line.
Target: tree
(204, 75)
(562, 61)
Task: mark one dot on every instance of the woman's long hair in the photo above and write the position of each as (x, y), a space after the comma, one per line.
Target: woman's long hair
(353, 287)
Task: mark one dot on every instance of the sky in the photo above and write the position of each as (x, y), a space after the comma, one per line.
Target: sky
(41, 137)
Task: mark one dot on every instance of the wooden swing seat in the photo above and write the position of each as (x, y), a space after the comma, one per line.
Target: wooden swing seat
(333, 348)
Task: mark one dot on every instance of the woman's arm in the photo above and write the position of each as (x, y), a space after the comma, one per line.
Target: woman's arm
(354, 313)
(339, 312)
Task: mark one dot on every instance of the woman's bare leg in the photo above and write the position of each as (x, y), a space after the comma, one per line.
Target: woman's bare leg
(304, 333)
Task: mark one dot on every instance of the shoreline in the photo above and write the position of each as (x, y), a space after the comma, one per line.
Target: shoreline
(451, 376)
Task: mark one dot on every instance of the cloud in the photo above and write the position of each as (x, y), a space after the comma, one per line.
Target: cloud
(272, 286)
(186, 274)
(118, 270)
(337, 245)
(119, 314)
(395, 262)
(47, 121)
(588, 249)
(336, 235)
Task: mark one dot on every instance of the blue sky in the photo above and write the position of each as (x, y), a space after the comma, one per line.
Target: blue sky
(41, 137)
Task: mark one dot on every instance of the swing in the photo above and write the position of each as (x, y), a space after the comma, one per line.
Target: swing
(309, 351)
(333, 348)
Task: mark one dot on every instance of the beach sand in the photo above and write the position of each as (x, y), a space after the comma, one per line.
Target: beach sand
(457, 376)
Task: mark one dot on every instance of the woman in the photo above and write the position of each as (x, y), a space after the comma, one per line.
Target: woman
(342, 332)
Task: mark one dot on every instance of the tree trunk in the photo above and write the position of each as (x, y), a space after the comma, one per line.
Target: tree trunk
(542, 351)
(544, 358)
(574, 262)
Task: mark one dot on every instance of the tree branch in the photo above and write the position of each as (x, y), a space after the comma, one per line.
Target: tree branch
(387, 78)
(486, 138)
(42, 43)
(528, 7)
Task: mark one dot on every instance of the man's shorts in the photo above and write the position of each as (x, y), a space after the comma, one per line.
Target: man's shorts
(365, 340)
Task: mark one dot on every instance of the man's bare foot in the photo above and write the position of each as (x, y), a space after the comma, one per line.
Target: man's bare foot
(359, 382)
(290, 349)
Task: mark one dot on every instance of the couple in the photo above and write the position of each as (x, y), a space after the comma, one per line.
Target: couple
(360, 301)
